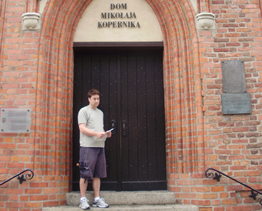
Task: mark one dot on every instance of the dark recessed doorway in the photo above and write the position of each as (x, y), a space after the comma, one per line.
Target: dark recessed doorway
(132, 98)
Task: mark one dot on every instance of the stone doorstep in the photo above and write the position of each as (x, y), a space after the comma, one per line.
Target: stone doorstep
(127, 201)
(128, 208)
(126, 197)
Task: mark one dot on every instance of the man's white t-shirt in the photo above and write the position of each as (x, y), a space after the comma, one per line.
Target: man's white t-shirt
(94, 120)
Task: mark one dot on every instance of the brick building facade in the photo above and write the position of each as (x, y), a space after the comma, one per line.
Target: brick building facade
(37, 70)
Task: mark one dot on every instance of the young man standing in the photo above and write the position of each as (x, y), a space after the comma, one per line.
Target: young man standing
(92, 161)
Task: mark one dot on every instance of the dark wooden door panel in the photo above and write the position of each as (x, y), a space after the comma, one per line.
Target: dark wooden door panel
(131, 86)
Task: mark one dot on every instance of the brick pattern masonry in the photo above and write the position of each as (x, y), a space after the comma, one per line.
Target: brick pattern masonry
(37, 73)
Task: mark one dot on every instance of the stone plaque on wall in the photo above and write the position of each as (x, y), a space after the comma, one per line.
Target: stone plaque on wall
(235, 99)
(15, 120)
(234, 80)
(237, 103)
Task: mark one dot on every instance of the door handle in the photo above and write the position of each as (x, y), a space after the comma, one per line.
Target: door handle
(113, 122)
(124, 127)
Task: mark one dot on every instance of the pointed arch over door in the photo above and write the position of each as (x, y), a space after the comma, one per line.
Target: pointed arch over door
(182, 84)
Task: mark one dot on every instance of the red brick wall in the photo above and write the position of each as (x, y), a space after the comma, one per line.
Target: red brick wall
(33, 78)
(37, 73)
(232, 142)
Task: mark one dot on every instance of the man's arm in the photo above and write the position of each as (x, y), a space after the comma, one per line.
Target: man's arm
(83, 129)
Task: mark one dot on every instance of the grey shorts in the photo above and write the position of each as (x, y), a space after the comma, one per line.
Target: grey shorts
(92, 162)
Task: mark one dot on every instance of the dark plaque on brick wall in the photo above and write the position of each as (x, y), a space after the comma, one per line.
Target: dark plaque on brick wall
(237, 103)
(234, 80)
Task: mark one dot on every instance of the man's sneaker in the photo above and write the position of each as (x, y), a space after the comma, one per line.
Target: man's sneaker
(100, 203)
(84, 204)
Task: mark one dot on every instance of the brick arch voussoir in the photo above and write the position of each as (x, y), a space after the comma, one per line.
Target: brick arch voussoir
(54, 82)
(182, 78)
(180, 41)
(191, 83)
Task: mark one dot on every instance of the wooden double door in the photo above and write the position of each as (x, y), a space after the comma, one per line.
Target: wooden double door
(130, 81)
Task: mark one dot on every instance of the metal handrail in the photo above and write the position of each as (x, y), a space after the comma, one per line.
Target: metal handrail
(217, 177)
(21, 177)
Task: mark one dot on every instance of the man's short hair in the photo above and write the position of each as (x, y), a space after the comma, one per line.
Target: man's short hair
(93, 92)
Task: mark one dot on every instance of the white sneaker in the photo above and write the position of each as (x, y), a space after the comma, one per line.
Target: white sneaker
(84, 204)
(100, 203)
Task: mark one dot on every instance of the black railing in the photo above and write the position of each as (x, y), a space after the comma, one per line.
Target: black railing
(21, 177)
(217, 177)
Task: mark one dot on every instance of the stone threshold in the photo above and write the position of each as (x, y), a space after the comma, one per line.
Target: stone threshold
(128, 208)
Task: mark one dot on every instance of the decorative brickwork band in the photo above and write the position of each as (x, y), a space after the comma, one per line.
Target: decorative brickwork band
(203, 6)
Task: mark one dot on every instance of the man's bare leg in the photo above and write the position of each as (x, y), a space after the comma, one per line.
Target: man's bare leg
(96, 186)
(83, 186)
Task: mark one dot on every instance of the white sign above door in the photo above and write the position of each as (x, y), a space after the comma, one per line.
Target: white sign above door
(118, 21)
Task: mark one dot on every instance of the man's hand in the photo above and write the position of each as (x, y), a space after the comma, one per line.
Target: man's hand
(109, 134)
(83, 129)
(100, 134)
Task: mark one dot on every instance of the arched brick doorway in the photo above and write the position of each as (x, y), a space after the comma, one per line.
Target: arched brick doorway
(182, 86)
